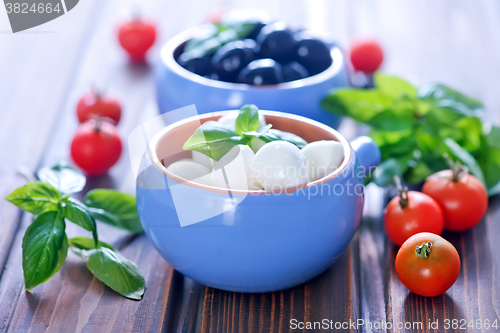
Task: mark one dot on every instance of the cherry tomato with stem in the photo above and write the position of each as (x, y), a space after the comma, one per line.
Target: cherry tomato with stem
(96, 147)
(95, 103)
(366, 55)
(410, 213)
(462, 197)
(427, 264)
(136, 37)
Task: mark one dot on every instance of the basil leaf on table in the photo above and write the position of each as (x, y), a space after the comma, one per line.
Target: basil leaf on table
(114, 208)
(43, 245)
(83, 246)
(359, 104)
(393, 86)
(117, 272)
(36, 198)
(466, 158)
(64, 178)
(248, 119)
(63, 253)
(85, 243)
(77, 213)
(213, 140)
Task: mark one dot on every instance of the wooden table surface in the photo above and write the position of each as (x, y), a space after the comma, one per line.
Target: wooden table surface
(44, 71)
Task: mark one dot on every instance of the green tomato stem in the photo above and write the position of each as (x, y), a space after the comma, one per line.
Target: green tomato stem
(402, 192)
(423, 251)
(457, 169)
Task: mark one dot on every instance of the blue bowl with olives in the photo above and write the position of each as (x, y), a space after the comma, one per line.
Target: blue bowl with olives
(224, 66)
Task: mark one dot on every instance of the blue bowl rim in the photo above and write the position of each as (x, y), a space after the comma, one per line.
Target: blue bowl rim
(167, 59)
(348, 154)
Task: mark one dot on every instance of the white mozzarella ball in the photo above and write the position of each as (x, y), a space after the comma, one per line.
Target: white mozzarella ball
(322, 158)
(256, 144)
(190, 170)
(202, 159)
(229, 120)
(235, 168)
(279, 165)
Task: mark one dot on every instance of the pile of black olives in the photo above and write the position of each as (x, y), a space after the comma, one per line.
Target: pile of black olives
(263, 54)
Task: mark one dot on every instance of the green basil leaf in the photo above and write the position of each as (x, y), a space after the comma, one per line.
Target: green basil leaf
(259, 131)
(493, 136)
(446, 98)
(466, 158)
(489, 160)
(248, 119)
(426, 142)
(277, 135)
(63, 253)
(385, 171)
(359, 104)
(43, 244)
(117, 272)
(214, 140)
(394, 143)
(394, 119)
(210, 44)
(393, 86)
(64, 178)
(85, 243)
(469, 130)
(84, 246)
(77, 212)
(35, 198)
(417, 173)
(114, 208)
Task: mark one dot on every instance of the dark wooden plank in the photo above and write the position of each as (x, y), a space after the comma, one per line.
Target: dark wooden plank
(72, 300)
(37, 69)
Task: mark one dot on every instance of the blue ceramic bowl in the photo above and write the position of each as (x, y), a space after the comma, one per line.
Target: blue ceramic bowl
(178, 87)
(252, 241)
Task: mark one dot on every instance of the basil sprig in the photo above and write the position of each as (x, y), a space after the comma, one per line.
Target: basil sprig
(247, 120)
(414, 128)
(45, 244)
(215, 140)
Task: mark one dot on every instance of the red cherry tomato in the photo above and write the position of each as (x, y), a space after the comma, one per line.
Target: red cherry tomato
(463, 199)
(427, 264)
(366, 55)
(136, 37)
(96, 147)
(94, 104)
(408, 215)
